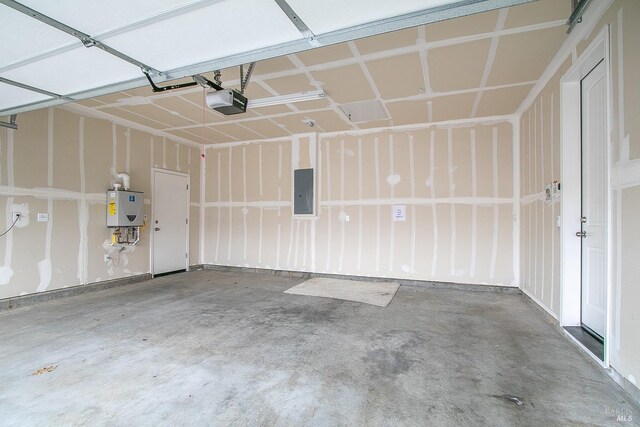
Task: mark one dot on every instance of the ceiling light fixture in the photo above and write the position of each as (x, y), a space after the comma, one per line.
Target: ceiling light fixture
(286, 99)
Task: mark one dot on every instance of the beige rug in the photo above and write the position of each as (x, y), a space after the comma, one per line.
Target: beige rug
(374, 293)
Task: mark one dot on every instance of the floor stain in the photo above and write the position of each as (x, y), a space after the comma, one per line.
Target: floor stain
(44, 370)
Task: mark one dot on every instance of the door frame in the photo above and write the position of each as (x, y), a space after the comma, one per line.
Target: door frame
(571, 194)
(151, 242)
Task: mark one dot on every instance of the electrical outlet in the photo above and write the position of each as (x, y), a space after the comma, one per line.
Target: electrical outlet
(43, 217)
(106, 258)
(15, 216)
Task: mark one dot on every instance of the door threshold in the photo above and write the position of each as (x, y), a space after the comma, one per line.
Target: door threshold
(591, 343)
(169, 273)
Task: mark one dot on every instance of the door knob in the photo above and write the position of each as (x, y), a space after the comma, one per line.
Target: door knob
(582, 234)
(157, 228)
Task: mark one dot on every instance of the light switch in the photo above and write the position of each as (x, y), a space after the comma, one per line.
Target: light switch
(43, 217)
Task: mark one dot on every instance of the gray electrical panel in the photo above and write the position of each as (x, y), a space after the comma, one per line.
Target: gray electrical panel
(124, 208)
(303, 192)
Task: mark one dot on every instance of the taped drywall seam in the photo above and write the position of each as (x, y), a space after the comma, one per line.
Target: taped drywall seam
(621, 136)
(305, 245)
(452, 187)
(260, 168)
(474, 208)
(44, 266)
(5, 270)
(494, 245)
(543, 251)
(393, 193)
(417, 127)
(422, 43)
(329, 198)
(229, 179)
(150, 150)
(377, 166)
(92, 112)
(164, 152)
(219, 180)
(260, 237)
(279, 175)
(244, 203)
(342, 213)
(432, 182)
(278, 246)
(535, 205)
(502, 17)
(412, 170)
(127, 164)
(426, 201)
(83, 217)
(515, 128)
(114, 150)
(414, 48)
(360, 218)
(313, 245)
(178, 157)
(295, 153)
(202, 200)
(297, 243)
(530, 266)
(265, 204)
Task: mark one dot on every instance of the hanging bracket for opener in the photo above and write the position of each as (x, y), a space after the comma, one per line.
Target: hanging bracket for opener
(11, 124)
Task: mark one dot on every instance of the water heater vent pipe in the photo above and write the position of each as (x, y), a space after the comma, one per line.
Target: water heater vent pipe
(126, 180)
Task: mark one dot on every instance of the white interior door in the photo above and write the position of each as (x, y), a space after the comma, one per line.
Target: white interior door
(170, 221)
(594, 200)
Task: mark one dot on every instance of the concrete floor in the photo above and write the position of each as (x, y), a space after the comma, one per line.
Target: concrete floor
(213, 348)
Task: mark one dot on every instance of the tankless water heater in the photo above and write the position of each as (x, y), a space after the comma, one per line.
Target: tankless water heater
(124, 208)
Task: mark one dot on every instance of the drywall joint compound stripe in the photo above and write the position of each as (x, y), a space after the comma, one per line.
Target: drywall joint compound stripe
(432, 168)
(229, 178)
(244, 200)
(452, 187)
(516, 206)
(342, 213)
(377, 176)
(330, 214)
(412, 170)
(474, 208)
(360, 213)
(219, 185)
(543, 207)
(494, 245)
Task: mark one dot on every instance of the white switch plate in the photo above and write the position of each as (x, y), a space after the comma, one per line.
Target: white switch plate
(43, 217)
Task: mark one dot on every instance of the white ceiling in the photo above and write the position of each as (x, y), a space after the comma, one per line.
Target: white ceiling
(179, 38)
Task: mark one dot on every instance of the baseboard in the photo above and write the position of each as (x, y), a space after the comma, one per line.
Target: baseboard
(404, 283)
(31, 299)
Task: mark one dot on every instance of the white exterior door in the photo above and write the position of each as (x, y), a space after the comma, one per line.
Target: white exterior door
(170, 221)
(594, 200)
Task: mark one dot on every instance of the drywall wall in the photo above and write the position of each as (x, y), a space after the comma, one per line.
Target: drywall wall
(454, 182)
(540, 128)
(61, 164)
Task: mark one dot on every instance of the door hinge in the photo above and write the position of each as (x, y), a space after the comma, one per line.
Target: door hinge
(186, 221)
(187, 186)
(186, 255)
